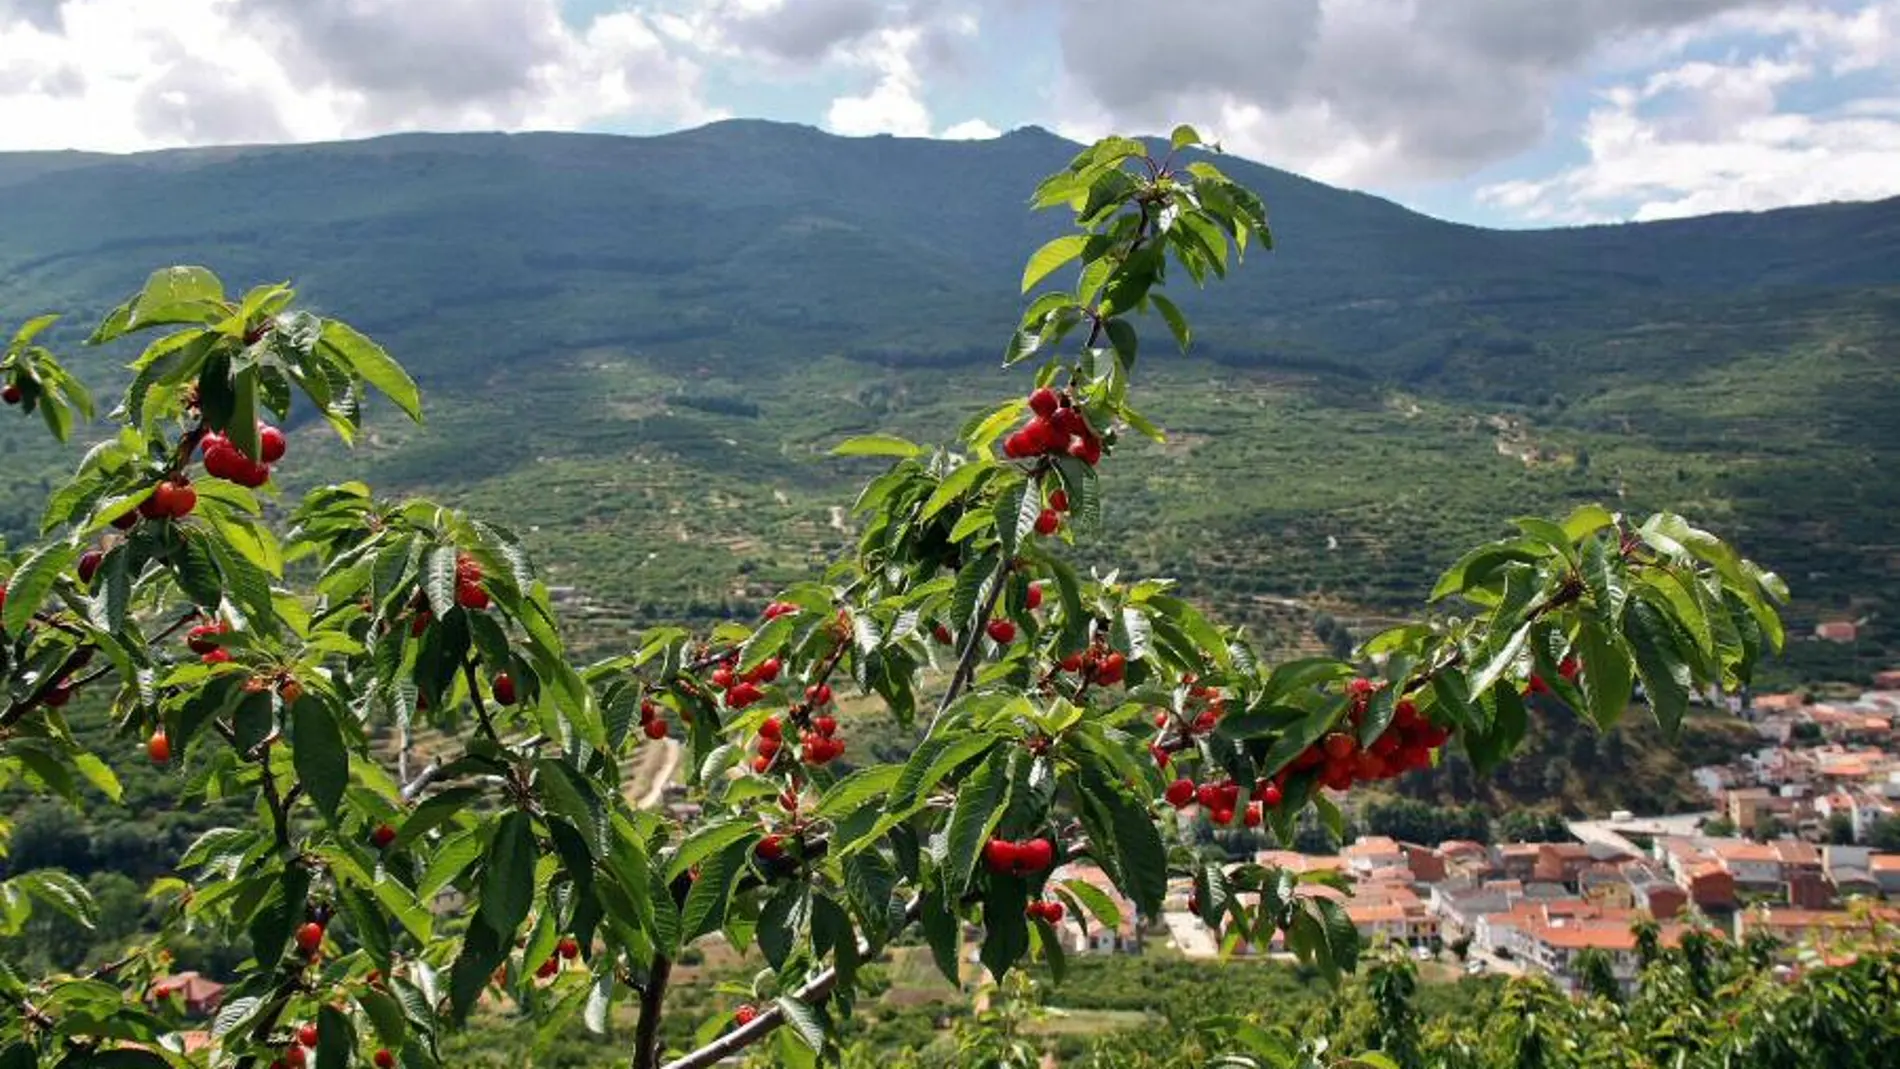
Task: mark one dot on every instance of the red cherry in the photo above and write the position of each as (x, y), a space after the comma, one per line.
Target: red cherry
(1272, 795)
(742, 695)
(1160, 755)
(1570, 668)
(788, 801)
(89, 565)
(159, 747)
(384, 1059)
(10, 394)
(307, 1035)
(58, 696)
(420, 622)
(1537, 685)
(1052, 912)
(1059, 500)
(471, 596)
(1041, 436)
(1222, 816)
(548, 968)
(655, 729)
(309, 937)
(294, 1057)
(270, 443)
(1001, 856)
(176, 498)
(762, 764)
(1044, 402)
(1018, 446)
(1033, 597)
(1254, 815)
(942, 635)
(1003, 632)
(771, 729)
(1340, 745)
(766, 671)
(1181, 793)
(217, 656)
(827, 726)
(1087, 450)
(745, 1015)
(723, 678)
(383, 836)
(1048, 522)
(768, 747)
(818, 694)
(504, 687)
(771, 848)
(568, 948)
(1071, 663)
(1112, 669)
(1036, 855)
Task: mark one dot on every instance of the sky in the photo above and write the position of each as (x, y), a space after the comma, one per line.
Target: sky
(1497, 112)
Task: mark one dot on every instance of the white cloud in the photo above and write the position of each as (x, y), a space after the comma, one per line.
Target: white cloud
(122, 75)
(1703, 136)
(970, 130)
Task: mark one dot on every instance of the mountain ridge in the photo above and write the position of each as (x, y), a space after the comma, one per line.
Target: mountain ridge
(675, 288)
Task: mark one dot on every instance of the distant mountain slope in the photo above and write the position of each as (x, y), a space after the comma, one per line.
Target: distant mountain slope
(729, 299)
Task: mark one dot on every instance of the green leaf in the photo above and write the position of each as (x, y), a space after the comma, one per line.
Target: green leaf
(336, 1038)
(1184, 136)
(853, 792)
(711, 895)
(876, 445)
(1051, 256)
(1137, 844)
(1606, 678)
(1177, 323)
(981, 801)
(28, 586)
(508, 875)
(319, 753)
(709, 839)
(1659, 663)
(1099, 902)
(1121, 334)
(376, 367)
(804, 1021)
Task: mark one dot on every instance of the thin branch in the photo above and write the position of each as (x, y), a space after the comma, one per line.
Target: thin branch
(814, 990)
(646, 1037)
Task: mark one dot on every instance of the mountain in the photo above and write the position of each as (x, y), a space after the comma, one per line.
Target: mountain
(700, 313)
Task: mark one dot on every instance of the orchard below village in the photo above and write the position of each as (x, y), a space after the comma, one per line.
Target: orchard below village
(1060, 713)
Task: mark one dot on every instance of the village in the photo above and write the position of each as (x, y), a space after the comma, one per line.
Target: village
(1800, 840)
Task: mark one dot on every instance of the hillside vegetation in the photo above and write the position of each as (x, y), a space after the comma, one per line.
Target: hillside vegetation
(1363, 402)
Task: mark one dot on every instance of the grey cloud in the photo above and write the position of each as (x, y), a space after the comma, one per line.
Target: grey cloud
(203, 105)
(805, 30)
(43, 14)
(808, 31)
(1447, 85)
(408, 55)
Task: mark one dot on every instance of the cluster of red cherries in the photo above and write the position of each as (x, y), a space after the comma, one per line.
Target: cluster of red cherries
(818, 746)
(1028, 857)
(1098, 664)
(224, 460)
(1220, 799)
(1044, 910)
(1406, 743)
(1055, 428)
(566, 950)
(743, 690)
